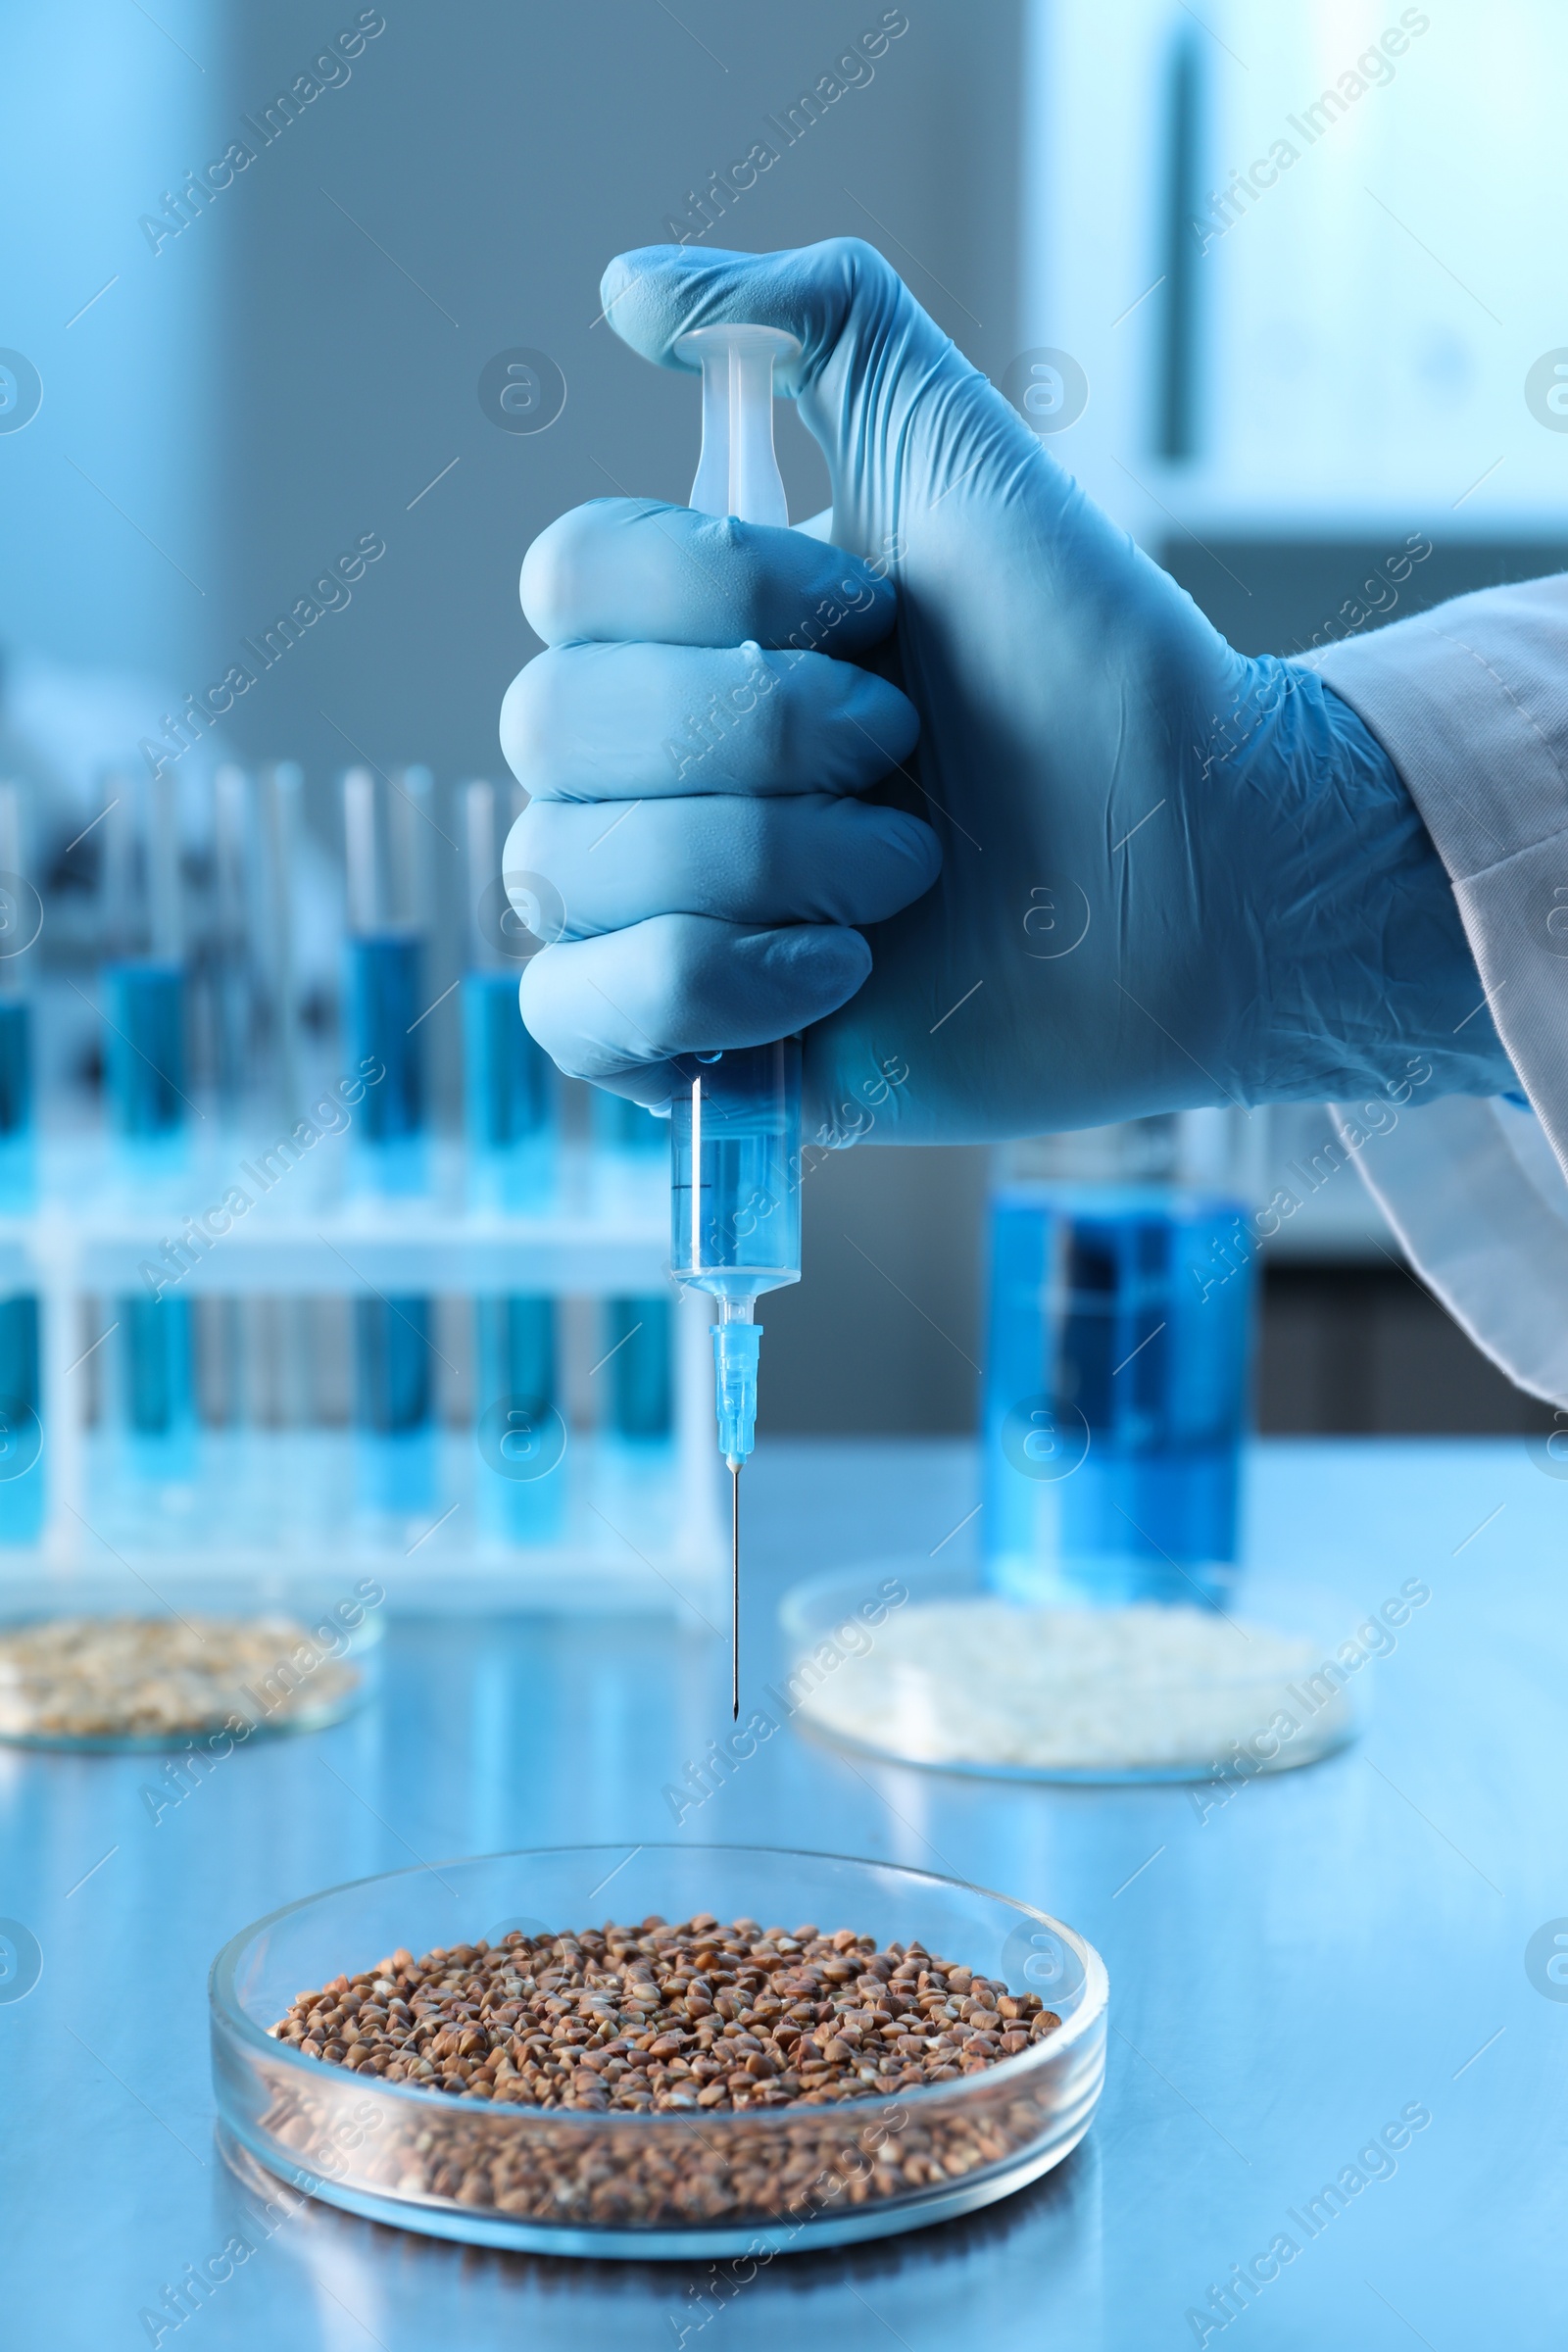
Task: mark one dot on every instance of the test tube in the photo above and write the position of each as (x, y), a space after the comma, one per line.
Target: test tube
(521, 1432)
(638, 1337)
(282, 788)
(735, 1127)
(386, 861)
(247, 1001)
(631, 1149)
(20, 1435)
(392, 1369)
(144, 978)
(510, 1089)
(277, 1330)
(17, 901)
(387, 911)
(512, 1117)
(230, 972)
(21, 1495)
(630, 1145)
(146, 1082)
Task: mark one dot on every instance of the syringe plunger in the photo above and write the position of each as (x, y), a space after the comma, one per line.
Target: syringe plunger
(738, 473)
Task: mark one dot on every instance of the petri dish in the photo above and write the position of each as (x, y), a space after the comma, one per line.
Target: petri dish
(928, 1666)
(662, 2185)
(203, 1661)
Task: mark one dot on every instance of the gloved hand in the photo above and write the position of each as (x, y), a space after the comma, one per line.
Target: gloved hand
(1169, 875)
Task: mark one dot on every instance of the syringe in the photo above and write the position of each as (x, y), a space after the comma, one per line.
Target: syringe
(735, 1127)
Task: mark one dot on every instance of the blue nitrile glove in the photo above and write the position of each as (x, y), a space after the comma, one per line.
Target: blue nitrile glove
(1169, 875)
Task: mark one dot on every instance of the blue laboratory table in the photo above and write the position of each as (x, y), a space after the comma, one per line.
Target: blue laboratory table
(1288, 1972)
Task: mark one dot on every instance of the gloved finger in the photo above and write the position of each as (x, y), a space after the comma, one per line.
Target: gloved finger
(682, 984)
(808, 858)
(659, 293)
(619, 569)
(598, 722)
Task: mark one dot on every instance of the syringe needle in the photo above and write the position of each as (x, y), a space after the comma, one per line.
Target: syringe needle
(735, 1590)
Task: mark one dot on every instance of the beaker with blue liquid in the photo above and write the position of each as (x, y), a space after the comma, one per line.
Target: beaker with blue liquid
(1122, 1304)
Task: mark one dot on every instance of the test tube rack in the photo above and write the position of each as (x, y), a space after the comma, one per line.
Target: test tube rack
(623, 1531)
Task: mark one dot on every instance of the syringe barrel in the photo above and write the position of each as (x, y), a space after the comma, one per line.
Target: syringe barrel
(735, 1171)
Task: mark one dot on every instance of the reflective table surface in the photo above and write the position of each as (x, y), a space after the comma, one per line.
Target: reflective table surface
(1301, 1969)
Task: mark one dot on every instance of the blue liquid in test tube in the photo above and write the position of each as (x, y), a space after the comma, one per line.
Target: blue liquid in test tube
(144, 1057)
(21, 1495)
(386, 979)
(511, 1093)
(385, 1003)
(638, 1415)
(522, 1435)
(15, 1082)
(145, 1065)
(392, 1367)
(385, 999)
(157, 1353)
(18, 1165)
(632, 1146)
(509, 1097)
(639, 1333)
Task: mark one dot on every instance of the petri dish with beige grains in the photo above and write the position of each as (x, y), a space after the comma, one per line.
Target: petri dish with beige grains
(197, 1669)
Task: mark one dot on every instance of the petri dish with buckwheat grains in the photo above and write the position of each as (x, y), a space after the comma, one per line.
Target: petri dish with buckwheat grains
(664, 2182)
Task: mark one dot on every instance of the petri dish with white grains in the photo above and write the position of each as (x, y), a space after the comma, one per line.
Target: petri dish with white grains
(928, 1666)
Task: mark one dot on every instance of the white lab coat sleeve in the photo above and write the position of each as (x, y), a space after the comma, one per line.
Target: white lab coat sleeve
(1471, 703)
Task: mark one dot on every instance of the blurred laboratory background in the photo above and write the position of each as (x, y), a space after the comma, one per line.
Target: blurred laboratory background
(294, 420)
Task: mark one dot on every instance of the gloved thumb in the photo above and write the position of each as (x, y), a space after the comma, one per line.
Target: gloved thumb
(878, 383)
